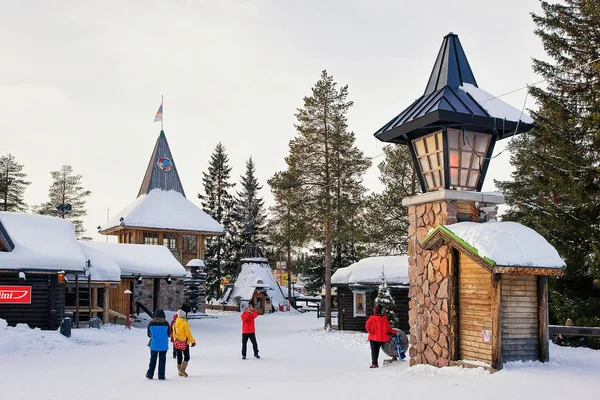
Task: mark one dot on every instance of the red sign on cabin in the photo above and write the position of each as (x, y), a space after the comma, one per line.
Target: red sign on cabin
(15, 294)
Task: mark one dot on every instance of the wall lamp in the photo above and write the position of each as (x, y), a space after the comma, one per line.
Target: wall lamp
(22, 277)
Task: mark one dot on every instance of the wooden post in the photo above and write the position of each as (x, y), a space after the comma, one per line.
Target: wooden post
(453, 305)
(496, 321)
(94, 301)
(105, 316)
(180, 247)
(544, 336)
(89, 282)
(76, 301)
(128, 300)
(200, 247)
(155, 294)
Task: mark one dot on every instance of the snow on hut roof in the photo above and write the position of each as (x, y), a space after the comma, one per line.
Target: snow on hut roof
(196, 262)
(41, 243)
(494, 106)
(368, 270)
(165, 210)
(505, 243)
(103, 267)
(255, 273)
(138, 259)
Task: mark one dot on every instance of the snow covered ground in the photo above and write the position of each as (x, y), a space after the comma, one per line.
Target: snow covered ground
(299, 361)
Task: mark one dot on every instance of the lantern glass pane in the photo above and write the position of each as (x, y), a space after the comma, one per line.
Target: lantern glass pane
(429, 151)
(467, 151)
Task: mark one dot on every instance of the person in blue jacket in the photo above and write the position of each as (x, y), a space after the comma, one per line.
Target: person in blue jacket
(158, 332)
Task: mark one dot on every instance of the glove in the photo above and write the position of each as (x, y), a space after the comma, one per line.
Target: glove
(193, 344)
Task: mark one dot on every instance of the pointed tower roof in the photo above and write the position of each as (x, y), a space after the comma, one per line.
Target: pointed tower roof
(452, 97)
(161, 203)
(161, 172)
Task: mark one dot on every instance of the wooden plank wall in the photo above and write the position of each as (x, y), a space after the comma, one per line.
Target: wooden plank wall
(519, 318)
(47, 301)
(117, 297)
(348, 322)
(474, 310)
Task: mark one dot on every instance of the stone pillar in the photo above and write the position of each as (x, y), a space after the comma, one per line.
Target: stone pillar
(430, 271)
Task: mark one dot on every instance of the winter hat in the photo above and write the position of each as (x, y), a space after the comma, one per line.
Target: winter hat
(159, 313)
(377, 309)
(181, 314)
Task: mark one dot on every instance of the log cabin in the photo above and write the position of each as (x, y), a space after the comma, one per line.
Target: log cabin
(357, 287)
(497, 292)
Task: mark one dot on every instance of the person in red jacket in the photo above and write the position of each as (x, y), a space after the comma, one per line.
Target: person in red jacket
(379, 330)
(248, 331)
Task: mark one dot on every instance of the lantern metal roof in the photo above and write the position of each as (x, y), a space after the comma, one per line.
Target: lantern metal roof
(453, 98)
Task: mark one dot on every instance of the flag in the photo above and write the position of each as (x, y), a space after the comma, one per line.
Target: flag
(159, 114)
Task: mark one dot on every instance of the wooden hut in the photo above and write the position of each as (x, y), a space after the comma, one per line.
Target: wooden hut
(357, 287)
(162, 215)
(35, 254)
(497, 291)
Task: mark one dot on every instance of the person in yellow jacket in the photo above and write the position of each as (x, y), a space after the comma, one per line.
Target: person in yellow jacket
(182, 340)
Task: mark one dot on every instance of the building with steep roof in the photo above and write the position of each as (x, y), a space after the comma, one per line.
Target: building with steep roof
(161, 215)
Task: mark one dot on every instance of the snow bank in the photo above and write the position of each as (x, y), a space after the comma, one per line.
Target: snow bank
(494, 106)
(508, 243)
(41, 242)
(137, 259)
(165, 210)
(368, 270)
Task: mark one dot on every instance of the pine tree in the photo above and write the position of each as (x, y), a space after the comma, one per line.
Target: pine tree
(329, 169)
(387, 218)
(250, 215)
(220, 251)
(287, 229)
(555, 183)
(385, 299)
(12, 185)
(66, 190)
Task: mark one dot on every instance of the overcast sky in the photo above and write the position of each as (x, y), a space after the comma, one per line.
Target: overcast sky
(80, 81)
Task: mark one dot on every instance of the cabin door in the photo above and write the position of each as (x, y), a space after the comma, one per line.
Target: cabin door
(474, 311)
(259, 302)
(519, 318)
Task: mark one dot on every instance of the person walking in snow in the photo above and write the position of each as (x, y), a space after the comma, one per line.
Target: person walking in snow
(171, 330)
(248, 331)
(158, 332)
(379, 330)
(182, 340)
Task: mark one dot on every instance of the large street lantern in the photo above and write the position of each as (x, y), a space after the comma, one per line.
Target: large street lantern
(452, 128)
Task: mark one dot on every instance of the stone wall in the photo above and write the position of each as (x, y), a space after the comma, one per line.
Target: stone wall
(170, 297)
(429, 313)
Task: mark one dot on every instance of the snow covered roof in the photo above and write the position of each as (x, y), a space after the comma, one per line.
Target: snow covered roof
(368, 270)
(103, 267)
(40, 243)
(254, 273)
(164, 210)
(149, 261)
(196, 262)
(494, 106)
(503, 243)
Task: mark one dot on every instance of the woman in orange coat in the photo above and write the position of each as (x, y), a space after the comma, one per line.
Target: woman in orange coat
(379, 330)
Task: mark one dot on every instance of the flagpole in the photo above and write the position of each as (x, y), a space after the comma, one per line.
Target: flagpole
(162, 97)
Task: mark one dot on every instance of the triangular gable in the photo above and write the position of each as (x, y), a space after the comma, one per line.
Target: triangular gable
(161, 172)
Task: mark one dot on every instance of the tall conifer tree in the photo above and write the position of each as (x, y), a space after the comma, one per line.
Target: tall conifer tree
(66, 189)
(329, 168)
(12, 184)
(217, 202)
(386, 217)
(250, 212)
(555, 187)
